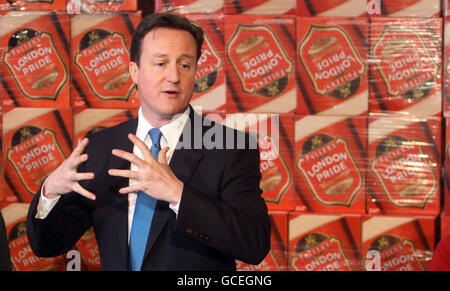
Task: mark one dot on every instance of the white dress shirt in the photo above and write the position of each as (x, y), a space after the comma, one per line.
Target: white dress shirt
(171, 133)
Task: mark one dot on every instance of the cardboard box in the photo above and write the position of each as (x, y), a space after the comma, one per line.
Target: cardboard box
(275, 138)
(89, 253)
(258, 7)
(446, 169)
(406, 65)
(276, 260)
(35, 142)
(330, 163)
(404, 165)
(260, 67)
(446, 69)
(332, 70)
(35, 71)
(331, 7)
(209, 91)
(408, 8)
(324, 242)
(404, 243)
(189, 6)
(91, 120)
(101, 6)
(22, 256)
(100, 76)
(43, 5)
(445, 225)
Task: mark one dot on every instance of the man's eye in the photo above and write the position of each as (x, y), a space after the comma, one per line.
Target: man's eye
(159, 64)
(186, 66)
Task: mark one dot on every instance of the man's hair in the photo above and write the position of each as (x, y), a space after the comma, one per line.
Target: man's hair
(164, 20)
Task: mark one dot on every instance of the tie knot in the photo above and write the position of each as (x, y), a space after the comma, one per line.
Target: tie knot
(155, 135)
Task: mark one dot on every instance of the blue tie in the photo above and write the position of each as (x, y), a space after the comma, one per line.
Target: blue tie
(143, 213)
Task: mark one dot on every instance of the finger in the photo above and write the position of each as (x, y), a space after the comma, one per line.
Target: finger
(141, 146)
(162, 155)
(80, 147)
(80, 190)
(124, 173)
(131, 189)
(132, 158)
(83, 176)
(75, 162)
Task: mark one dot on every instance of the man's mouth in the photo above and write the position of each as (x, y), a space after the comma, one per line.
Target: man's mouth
(170, 92)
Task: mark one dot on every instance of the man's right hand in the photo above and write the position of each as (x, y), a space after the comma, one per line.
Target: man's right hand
(65, 178)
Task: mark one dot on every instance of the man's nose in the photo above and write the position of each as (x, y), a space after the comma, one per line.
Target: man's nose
(173, 74)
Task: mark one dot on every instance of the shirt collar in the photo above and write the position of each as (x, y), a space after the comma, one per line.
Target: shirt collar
(171, 131)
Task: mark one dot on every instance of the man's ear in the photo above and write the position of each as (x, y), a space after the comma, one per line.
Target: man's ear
(133, 68)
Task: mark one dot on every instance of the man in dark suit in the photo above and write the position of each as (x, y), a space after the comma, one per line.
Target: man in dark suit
(166, 200)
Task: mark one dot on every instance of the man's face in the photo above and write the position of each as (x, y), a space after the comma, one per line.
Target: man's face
(166, 73)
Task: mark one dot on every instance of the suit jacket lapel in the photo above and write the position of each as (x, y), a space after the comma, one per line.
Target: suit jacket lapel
(121, 201)
(183, 164)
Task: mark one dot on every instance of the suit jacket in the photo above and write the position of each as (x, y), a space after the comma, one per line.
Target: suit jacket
(5, 262)
(221, 216)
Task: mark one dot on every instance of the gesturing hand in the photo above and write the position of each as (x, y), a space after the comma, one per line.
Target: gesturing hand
(153, 177)
(65, 178)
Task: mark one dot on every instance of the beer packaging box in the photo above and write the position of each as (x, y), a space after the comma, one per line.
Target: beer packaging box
(330, 163)
(22, 256)
(405, 65)
(100, 59)
(275, 139)
(1, 157)
(408, 8)
(258, 7)
(209, 91)
(276, 259)
(88, 248)
(446, 70)
(445, 225)
(324, 242)
(445, 7)
(101, 6)
(260, 64)
(350, 8)
(190, 6)
(27, 5)
(35, 142)
(404, 165)
(446, 169)
(91, 120)
(332, 69)
(402, 243)
(35, 68)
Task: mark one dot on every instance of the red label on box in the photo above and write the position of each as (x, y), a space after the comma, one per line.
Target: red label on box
(259, 60)
(324, 242)
(320, 253)
(330, 170)
(276, 176)
(207, 66)
(397, 254)
(35, 71)
(404, 172)
(405, 62)
(332, 66)
(332, 63)
(104, 63)
(35, 157)
(36, 65)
